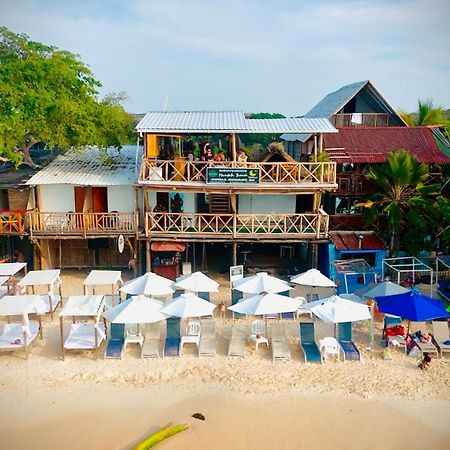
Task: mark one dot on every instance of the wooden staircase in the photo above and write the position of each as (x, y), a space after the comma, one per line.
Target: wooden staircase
(219, 203)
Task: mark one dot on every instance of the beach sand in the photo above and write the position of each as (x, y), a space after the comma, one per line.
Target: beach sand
(91, 403)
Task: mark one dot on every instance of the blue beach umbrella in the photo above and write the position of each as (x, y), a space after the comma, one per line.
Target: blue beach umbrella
(412, 306)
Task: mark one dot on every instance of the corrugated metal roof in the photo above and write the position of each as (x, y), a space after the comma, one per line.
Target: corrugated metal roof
(92, 167)
(371, 145)
(227, 122)
(350, 241)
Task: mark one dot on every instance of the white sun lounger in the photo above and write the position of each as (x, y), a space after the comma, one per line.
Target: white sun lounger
(238, 343)
(441, 335)
(424, 347)
(152, 341)
(12, 337)
(280, 347)
(81, 336)
(207, 344)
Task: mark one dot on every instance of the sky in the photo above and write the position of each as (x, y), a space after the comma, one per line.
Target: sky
(251, 55)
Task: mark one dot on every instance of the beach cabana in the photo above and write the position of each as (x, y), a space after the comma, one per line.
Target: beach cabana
(19, 332)
(149, 284)
(111, 278)
(49, 278)
(86, 331)
(197, 282)
(8, 270)
(261, 282)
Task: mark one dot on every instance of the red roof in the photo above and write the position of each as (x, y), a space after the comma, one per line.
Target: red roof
(350, 241)
(371, 145)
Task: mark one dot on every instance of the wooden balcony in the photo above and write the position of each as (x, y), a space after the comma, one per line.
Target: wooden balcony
(108, 224)
(353, 183)
(367, 120)
(224, 227)
(191, 175)
(12, 222)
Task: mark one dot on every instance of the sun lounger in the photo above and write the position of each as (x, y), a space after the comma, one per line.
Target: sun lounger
(13, 337)
(207, 344)
(238, 342)
(441, 336)
(172, 344)
(308, 343)
(287, 315)
(114, 348)
(349, 348)
(424, 347)
(152, 339)
(204, 296)
(280, 347)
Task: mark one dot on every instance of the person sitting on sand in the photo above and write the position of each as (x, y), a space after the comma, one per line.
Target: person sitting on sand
(425, 363)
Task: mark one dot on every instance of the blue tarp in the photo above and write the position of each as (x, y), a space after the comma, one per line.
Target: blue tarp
(412, 306)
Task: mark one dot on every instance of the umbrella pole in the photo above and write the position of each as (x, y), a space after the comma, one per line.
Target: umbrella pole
(371, 329)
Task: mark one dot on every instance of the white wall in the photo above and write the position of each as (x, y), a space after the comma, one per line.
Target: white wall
(189, 202)
(56, 198)
(120, 198)
(261, 204)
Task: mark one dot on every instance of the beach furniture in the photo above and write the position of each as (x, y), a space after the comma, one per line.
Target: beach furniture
(152, 339)
(7, 271)
(19, 334)
(133, 335)
(204, 296)
(287, 315)
(424, 347)
(329, 346)
(172, 344)
(196, 282)
(349, 348)
(192, 335)
(308, 344)
(116, 343)
(238, 342)
(261, 282)
(280, 347)
(441, 336)
(235, 297)
(49, 278)
(258, 335)
(149, 284)
(207, 344)
(86, 332)
(111, 278)
(302, 310)
(312, 297)
(389, 322)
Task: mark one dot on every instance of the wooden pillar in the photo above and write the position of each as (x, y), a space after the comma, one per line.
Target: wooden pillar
(148, 262)
(234, 253)
(315, 148)
(233, 146)
(204, 259)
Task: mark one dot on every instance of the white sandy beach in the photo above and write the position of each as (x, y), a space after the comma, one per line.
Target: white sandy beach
(91, 403)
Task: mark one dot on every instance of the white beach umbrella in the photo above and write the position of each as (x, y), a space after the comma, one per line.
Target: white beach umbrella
(263, 304)
(197, 282)
(137, 309)
(188, 305)
(383, 289)
(313, 278)
(148, 284)
(261, 282)
(336, 309)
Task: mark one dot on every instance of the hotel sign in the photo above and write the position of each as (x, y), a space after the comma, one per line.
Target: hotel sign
(232, 175)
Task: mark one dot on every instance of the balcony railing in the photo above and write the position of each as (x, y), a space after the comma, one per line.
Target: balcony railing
(109, 223)
(292, 226)
(154, 171)
(366, 119)
(12, 222)
(353, 183)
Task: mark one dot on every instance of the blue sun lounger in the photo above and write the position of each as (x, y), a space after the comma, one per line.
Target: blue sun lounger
(351, 351)
(204, 296)
(308, 344)
(289, 315)
(115, 345)
(172, 344)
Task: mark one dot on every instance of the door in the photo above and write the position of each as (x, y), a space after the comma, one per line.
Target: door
(99, 199)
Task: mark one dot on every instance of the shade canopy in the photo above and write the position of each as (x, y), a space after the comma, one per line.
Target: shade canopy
(83, 305)
(103, 277)
(412, 306)
(313, 278)
(40, 277)
(16, 305)
(148, 284)
(263, 304)
(197, 282)
(383, 289)
(137, 309)
(261, 282)
(10, 269)
(336, 309)
(353, 298)
(188, 305)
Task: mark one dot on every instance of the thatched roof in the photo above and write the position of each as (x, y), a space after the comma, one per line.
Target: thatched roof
(275, 153)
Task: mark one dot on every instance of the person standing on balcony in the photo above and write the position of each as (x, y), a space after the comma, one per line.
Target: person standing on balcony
(220, 156)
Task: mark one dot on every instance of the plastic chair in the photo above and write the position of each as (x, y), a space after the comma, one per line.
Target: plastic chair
(192, 335)
(133, 335)
(301, 309)
(329, 346)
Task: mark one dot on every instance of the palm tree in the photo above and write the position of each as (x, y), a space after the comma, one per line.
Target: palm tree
(427, 114)
(401, 196)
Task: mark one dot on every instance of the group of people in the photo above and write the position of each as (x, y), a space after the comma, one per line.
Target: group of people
(207, 154)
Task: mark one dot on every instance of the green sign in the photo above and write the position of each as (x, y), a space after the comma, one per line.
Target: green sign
(231, 175)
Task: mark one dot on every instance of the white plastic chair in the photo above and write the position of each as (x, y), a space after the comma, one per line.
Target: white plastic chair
(192, 334)
(329, 346)
(301, 309)
(258, 335)
(133, 335)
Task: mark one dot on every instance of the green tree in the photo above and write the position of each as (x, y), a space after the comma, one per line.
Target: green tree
(257, 138)
(401, 201)
(426, 114)
(50, 96)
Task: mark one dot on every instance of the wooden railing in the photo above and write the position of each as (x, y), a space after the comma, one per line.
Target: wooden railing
(294, 226)
(353, 183)
(274, 172)
(367, 120)
(12, 222)
(108, 223)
